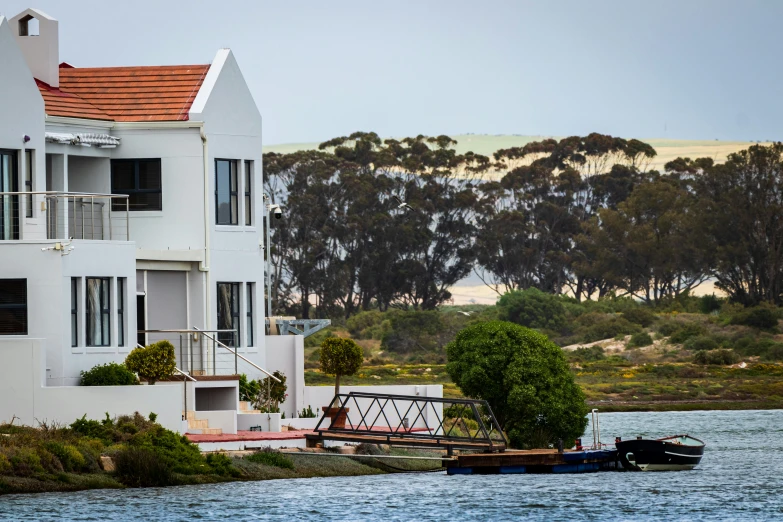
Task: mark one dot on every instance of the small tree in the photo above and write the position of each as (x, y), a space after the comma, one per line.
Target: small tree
(525, 379)
(271, 393)
(154, 362)
(340, 357)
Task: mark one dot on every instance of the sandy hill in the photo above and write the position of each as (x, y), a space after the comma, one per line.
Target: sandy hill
(486, 144)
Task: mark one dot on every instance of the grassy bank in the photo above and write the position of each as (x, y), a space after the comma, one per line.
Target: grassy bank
(133, 451)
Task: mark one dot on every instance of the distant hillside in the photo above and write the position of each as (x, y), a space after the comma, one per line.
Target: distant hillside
(486, 145)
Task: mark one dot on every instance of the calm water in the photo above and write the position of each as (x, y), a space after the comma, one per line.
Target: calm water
(738, 479)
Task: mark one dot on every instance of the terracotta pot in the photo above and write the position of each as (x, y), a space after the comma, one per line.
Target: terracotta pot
(338, 419)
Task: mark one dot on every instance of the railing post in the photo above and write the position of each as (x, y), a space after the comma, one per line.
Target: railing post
(92, 218)
(214, 358)
(127, 219)
(110, 203)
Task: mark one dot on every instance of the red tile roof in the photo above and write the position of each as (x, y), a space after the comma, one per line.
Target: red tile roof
(162, 93)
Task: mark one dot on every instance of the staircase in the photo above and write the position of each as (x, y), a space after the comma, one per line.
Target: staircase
(200, 426)
(246, 407)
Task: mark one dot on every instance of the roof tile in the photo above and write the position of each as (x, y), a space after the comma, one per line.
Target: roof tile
(156, 93)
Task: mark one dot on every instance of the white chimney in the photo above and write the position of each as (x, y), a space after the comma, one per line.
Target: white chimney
(37, 35)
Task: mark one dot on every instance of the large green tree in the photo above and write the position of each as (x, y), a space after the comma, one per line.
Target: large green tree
(525, 379)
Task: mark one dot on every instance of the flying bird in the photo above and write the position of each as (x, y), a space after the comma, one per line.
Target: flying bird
(401, 205)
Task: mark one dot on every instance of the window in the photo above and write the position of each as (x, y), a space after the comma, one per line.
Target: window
(9, 205)
(248, 193)
(249, 311)
(28, 180)
(228, 313)
(74, 311)
(226, 192)
(120, 311)
(98, 311)
(139, 179)
(13, 306)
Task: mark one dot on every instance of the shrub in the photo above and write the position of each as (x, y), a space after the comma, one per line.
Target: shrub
(142, 467)
(583, 354)
(639, 340)
(221, 465)
(156, 361)
(271, 393)
(307, 413)
(70, 457)
(5, 465)
(25, 462)
(642, 316)
(608, 328)
(709, 303)
(685, 332)
(774, 353)
(417, 331)
(525, 379)
(700, 343)
(716, 357)
(111, 374)
(340, 357)
(248, 390)
(366, 325)
(271, 457)
(533, 308)
(761, 317)
(749, 345)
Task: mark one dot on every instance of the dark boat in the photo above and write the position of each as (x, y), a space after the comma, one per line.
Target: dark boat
(676, 453)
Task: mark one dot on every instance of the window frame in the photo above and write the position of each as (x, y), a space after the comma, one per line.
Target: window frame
(249, 166)
(249, 313)
(17, 306)
(28, 181)
(13, 201)
(74, 312)
(104, 289)
(121, 311)
(233, 195)
(227, 338)
(118, 205)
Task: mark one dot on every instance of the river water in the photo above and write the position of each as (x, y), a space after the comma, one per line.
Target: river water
(739, 479)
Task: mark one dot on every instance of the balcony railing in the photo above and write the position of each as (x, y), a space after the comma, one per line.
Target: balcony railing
(68, 215)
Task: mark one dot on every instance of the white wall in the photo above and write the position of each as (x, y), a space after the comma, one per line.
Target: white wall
(23, 394)
(48, 275)
(286, 354)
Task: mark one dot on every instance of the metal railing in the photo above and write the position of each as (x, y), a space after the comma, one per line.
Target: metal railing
(414, 420)
(200, 353)
(68, 215)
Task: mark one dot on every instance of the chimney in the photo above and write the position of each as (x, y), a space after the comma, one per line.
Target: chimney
(37, 35)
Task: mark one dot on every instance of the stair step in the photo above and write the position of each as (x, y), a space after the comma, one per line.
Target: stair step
(198, 423)
(244, 405)
(189, 415)
(212, 431)
(247, 412)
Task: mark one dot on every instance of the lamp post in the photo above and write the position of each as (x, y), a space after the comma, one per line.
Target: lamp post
(278, 213)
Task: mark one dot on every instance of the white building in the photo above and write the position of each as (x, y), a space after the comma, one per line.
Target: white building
(130, 203)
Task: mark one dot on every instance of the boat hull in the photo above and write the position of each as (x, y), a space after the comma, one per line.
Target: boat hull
(658, 455)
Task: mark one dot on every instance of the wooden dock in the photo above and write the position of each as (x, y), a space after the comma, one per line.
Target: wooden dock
(533, 461)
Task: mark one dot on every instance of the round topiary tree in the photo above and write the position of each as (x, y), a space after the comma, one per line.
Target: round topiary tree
(340, 357)
(525, 379)
(154, 362)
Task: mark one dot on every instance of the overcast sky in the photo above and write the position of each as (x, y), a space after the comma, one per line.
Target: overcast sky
(701, 69)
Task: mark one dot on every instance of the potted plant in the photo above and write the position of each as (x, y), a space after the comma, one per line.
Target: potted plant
(339, 357)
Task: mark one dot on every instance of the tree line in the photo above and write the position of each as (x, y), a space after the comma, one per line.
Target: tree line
(375, 223)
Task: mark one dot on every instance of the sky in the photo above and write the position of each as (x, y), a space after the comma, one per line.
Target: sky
(697, 69)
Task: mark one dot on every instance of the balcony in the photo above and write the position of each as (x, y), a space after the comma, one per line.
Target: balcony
(64, 215)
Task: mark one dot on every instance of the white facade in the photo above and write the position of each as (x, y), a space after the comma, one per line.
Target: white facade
(169, 261)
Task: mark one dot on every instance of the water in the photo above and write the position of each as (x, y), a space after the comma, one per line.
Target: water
(738, 479)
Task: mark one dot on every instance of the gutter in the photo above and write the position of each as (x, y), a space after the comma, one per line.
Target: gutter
(204, 265)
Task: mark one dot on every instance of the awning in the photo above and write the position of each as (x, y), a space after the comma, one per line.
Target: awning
(84, 140)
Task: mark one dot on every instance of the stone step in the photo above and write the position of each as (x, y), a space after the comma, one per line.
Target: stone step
(244, 406)
(198, 423)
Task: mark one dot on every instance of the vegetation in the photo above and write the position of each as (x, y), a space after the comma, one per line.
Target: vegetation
(525, 379)
(111, 374)
(340, 357)
(271, 457)
(271, 393)
(154, 362)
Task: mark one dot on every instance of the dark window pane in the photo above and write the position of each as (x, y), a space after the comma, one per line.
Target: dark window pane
(74, 311)
(226, 192)
(97, 308)
(228, 313)
(13, 306)
(28, 181)
(141, 180)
